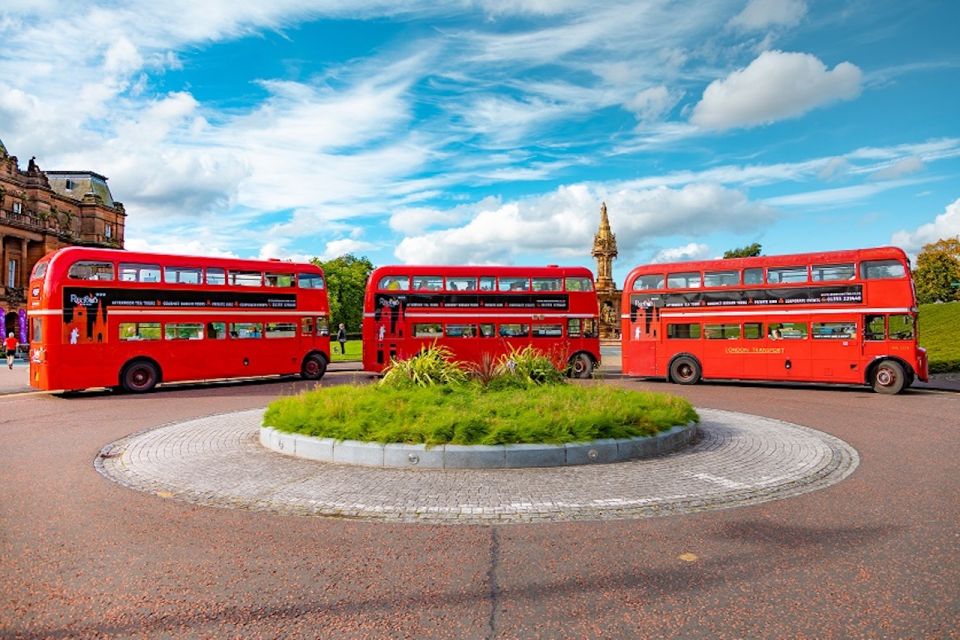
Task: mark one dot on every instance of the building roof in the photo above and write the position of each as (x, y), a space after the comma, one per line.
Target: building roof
(76, 184)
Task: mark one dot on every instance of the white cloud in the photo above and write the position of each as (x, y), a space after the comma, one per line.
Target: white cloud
(760, 14)
(775, 86)
(945, 225)
(337, 248)
(564, 222)
(899, 169)
(692, 251)
(652, 103)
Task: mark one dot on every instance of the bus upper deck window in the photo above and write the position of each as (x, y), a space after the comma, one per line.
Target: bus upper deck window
(309, 281)
(824, 272)
(648, 282)
(394, 283)
(428, 283)
(278, 279)
(578, 284)
(514, 284)
(39, 270)
(689, 280)
(91, 271)
(216, 276)
(181, 275)
(461, 284)
(881, 269)
(786, 275)
(721, 278)
(546, 284)
(139, 273)
(753, 276)
(246, 278)
(487, 283)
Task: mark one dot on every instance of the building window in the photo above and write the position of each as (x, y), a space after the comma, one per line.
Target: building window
(18, 207)
(107, 231)
(12, 273)
(69, 185)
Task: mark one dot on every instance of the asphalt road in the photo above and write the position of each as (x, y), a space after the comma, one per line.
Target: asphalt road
(875, 556)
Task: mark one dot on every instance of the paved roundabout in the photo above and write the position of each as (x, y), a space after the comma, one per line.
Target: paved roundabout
(737, 459)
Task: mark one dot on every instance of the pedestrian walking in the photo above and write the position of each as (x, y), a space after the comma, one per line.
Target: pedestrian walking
(342, 338)
(10, 344)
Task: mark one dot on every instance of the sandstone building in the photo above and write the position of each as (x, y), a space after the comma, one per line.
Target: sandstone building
(41, 211)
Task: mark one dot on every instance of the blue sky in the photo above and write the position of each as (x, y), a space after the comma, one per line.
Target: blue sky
(490, 131)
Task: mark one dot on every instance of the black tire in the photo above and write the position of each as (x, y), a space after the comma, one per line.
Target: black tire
(685, 370)
(139, 376)
(314, 366)
(581, 366)
(888, 377)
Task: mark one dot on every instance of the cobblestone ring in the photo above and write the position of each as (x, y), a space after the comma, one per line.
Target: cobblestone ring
(737, 460)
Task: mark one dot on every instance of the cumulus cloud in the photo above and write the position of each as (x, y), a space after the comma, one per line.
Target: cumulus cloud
(775, 86)
(343, 246)
(563, 222)
(761, 14)
(945, 225)
(692, 251)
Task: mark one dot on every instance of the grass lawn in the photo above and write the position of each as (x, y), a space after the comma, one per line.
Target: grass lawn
(354, 351)
(469, 414)
(940, 335)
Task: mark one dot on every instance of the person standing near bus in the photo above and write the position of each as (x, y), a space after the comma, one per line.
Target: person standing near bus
(342, 338)
(10, 344)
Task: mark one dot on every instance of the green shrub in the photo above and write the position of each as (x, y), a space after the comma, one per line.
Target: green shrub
(523, 368)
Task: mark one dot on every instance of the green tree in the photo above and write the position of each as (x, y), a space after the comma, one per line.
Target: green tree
(346, 279)
(749, 251)
(938, 267)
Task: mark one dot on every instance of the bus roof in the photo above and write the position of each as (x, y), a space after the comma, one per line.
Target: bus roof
(785, 260)
(482, 270)
(69, 255)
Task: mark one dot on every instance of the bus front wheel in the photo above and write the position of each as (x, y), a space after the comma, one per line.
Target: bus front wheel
(139, 376)
(889, 377)
(314, 366)
(581, 366)
(685, 370)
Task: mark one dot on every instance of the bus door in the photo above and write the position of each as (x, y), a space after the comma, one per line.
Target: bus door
(390, 327)
(834, 350)
(640, 352)
(788, 348)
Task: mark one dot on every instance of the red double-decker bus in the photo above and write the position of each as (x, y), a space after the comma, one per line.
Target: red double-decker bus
(106, 318)
(478, 311)
(840, 316)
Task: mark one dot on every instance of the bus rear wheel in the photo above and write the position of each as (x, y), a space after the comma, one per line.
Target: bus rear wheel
(889, 377)
(581, 366)
(139, 376)
(685, 370)
(314, 366)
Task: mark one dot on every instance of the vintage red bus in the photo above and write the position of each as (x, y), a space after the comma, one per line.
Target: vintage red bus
(840, 316)
(478, 311)
(105, 318)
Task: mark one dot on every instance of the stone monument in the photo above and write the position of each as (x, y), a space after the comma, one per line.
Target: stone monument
(605, 251)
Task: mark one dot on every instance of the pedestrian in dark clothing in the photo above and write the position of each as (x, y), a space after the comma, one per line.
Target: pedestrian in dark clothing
(342, 338)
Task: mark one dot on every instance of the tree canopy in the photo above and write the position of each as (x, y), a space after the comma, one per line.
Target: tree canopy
(749, 251)
(938, 268)
(346, 278)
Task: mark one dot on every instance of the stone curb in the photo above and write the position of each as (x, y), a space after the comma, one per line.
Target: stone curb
(450, 456)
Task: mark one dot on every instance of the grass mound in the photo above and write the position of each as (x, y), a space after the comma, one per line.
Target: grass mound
(473, 414)
(938, 335)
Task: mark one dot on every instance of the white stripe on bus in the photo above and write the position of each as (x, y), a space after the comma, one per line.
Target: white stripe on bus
(188, 312)
(490, 316)
(673, 313)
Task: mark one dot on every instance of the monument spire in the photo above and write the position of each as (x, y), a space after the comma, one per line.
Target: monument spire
(604, 250)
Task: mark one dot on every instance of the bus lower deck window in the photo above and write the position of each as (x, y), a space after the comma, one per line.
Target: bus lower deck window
(683, 331)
